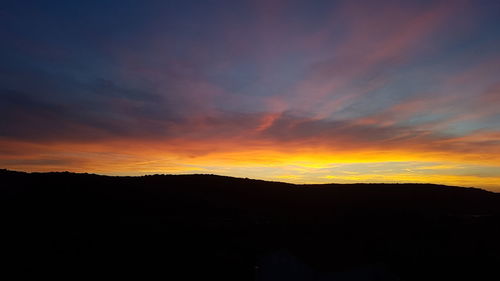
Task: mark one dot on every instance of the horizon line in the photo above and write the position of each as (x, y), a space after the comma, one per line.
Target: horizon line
(245, 178)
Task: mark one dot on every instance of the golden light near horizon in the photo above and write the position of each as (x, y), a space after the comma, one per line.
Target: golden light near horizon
(295, 164)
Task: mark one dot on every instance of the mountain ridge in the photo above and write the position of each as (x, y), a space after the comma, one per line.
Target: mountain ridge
(74, 226)
(309, 185)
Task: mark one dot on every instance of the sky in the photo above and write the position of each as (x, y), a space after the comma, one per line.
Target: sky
(294, 91)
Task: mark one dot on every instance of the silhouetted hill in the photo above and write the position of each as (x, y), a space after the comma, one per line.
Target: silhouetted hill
(79, 226)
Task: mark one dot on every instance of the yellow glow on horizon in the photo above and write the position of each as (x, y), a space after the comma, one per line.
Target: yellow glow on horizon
(290, 163)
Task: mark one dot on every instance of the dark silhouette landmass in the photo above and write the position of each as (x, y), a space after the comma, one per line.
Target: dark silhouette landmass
(68, 226)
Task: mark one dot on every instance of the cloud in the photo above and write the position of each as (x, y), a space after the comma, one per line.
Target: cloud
(371, 47)
(280, 89)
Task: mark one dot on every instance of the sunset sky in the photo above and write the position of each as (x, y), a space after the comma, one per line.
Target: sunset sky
(294, 91)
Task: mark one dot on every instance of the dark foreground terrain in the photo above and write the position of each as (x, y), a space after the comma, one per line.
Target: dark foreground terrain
(199, 227)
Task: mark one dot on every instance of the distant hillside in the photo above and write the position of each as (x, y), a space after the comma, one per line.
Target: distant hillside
(72, 226)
